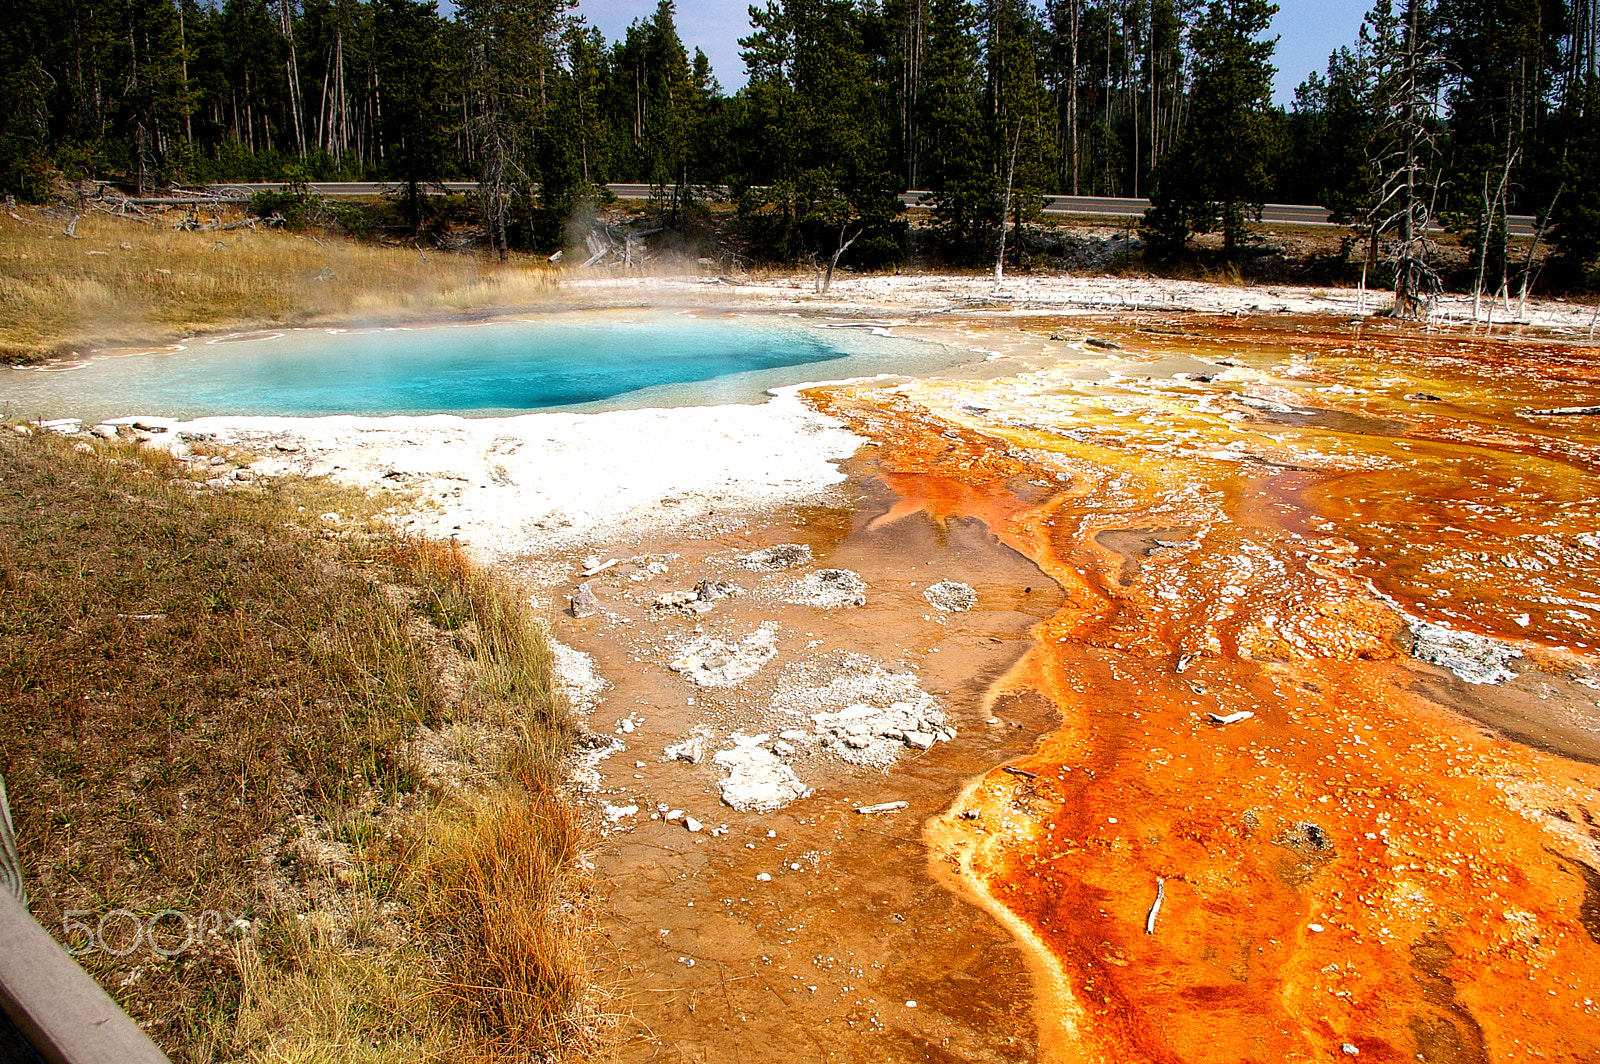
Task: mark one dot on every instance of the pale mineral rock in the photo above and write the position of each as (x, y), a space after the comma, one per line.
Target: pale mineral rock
(584, 603)
(950, 596)
(777, 558)
(692, 748)
(1475, 658)
(757, 781)
(710, 662)
(828, 589)
(615, 813)
(876, 735)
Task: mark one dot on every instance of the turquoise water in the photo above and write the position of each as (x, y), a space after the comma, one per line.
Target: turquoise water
(576, 361)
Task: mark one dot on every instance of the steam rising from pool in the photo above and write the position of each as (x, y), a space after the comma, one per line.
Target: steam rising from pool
(577, 361)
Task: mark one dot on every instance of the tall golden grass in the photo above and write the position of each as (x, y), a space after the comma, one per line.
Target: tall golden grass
(253, 746)
(130, 282)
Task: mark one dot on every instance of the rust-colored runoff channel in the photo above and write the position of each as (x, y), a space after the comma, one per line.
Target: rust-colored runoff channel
(1380, 859)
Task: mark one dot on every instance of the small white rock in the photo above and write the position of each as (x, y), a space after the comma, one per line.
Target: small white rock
(764, 877)
(692, 824)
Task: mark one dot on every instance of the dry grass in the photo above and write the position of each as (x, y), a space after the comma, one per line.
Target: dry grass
(211, 703)
(126, 282)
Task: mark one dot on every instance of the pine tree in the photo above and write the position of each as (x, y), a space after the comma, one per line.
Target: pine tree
(1218, 174)
(512, 47)
(815, 89)
(410, 74)
(966, 191)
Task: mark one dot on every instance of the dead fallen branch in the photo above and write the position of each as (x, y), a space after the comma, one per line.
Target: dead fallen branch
(1155, 908)
(1564, 411)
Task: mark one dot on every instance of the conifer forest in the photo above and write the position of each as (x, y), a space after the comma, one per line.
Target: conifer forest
(1442, 113)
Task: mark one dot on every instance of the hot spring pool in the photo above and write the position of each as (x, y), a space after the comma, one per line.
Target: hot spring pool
(572, 361)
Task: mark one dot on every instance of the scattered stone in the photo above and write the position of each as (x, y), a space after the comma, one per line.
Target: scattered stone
(1476, 659)
(691, 749)
(583, 602)
(882, 807)
(1424, 397)
(105, 432)
(1350, 1050)
(675, 815)
(1230, 718)
(692, 824)
(687, 601)
(794, 735)
(288, 448)
(594, 566)
(757, 780)
(710, 662)
(699, 600)
(828, 589)
(777, 558)
(951, 597)
(711, 590)
(873, 735)
(766, 877)
(60, 426)
(1104, 345)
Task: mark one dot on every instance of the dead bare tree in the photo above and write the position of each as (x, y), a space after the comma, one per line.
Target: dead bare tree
(1405, 64)
(840, 247)
(1005, 210)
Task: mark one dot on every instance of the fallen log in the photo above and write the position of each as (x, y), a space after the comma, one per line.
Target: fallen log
(1564, 411)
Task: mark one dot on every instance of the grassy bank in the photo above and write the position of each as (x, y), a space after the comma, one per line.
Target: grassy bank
(227, 702)
(128, 282)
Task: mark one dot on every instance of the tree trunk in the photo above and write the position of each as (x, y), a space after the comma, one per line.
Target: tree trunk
(1072, 91)
(840, 247)
(1011, 172)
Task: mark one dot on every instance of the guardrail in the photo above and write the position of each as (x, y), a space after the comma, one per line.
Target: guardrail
(1088, 206)
(51, 1011)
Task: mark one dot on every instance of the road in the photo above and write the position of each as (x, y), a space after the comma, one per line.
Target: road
(1087, 206)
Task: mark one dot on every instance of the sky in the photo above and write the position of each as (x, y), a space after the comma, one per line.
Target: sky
(1307, 29)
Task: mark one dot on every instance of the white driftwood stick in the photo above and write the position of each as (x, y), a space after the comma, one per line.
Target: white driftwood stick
(1155, 909)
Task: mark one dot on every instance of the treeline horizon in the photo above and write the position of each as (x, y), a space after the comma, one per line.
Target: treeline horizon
(1465, 111)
